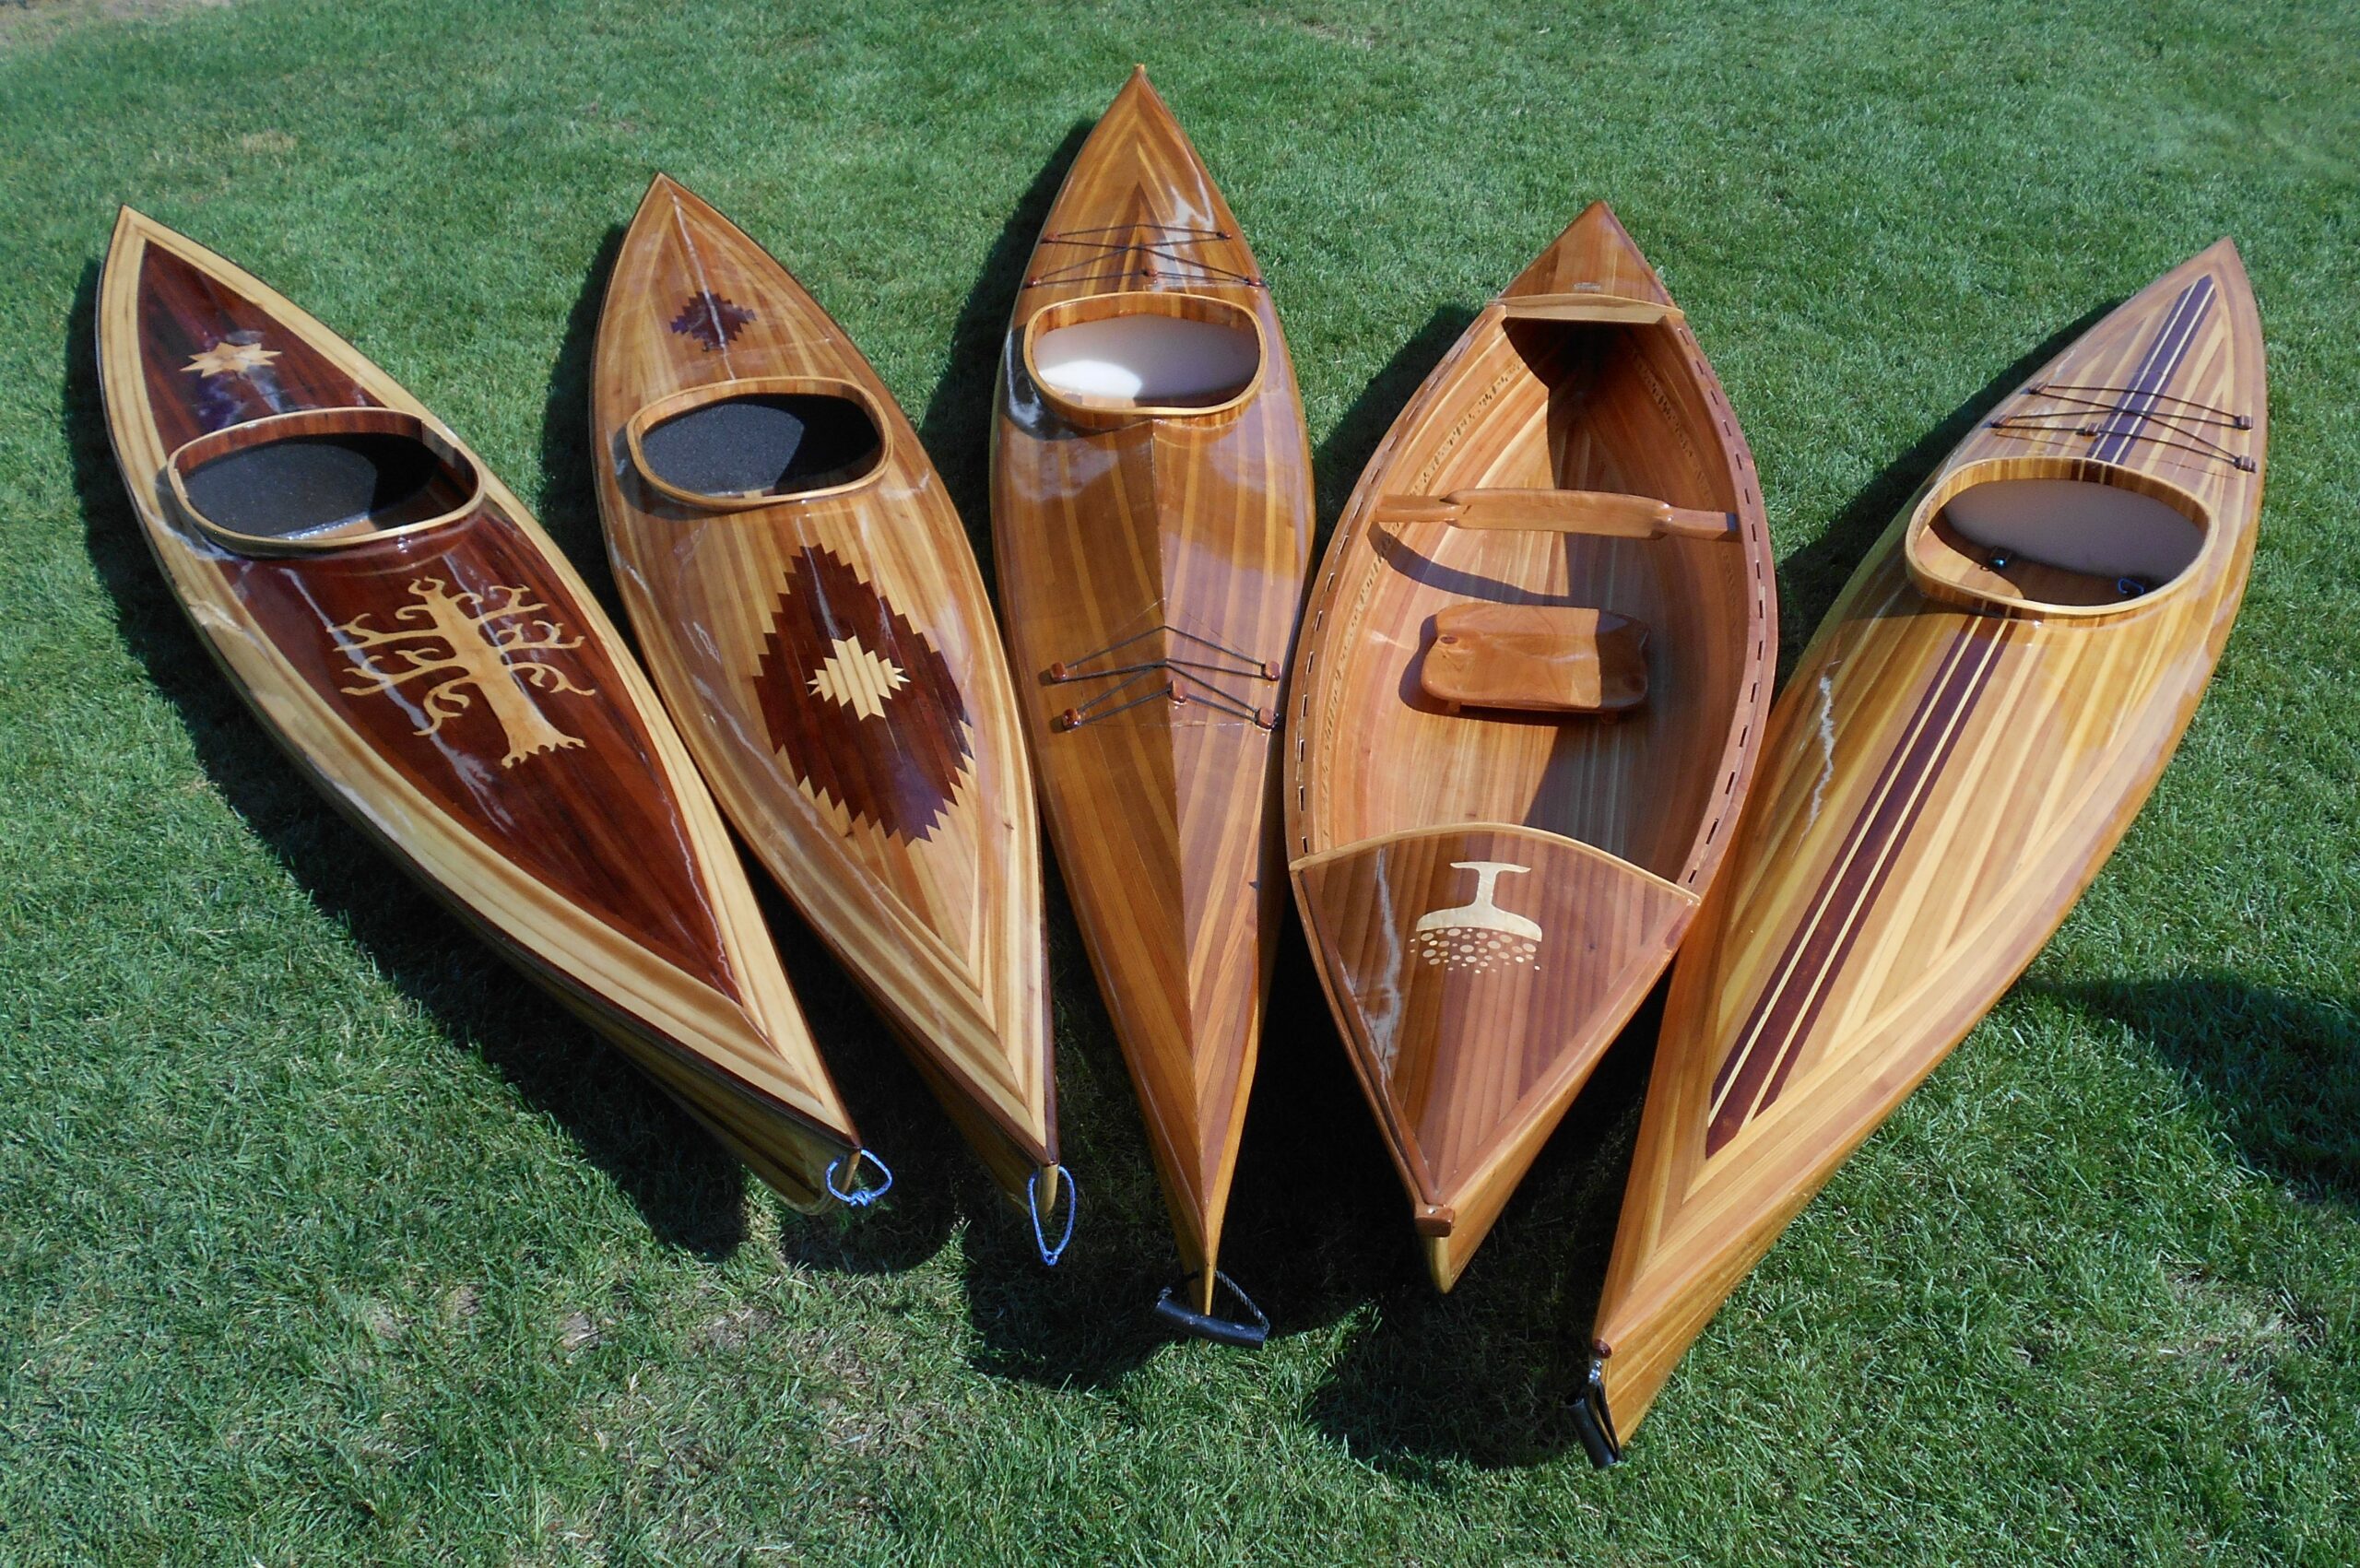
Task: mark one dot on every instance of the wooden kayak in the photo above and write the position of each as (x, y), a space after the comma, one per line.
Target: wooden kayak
(1965, 740)
(1151, 506)
(810, 608)
(1526, 711)
(406, 631)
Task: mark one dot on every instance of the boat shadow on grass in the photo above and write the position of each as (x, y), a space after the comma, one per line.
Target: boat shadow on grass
(568, 501)
(1487, 1375)
(1349, 446)
(2279, 1071)
(956, 429)
(1810, 578)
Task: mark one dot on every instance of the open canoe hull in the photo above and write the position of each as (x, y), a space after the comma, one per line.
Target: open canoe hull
(823, 641)
(1950, 764)
(450, 687)
(1526, 710)
(1152, 525)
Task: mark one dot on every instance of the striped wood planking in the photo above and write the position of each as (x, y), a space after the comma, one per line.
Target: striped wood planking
(1151, 564)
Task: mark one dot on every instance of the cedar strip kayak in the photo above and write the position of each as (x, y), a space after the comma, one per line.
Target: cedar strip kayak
(1151, 509)
(1968, 738)
(811, 610)
(404, 630)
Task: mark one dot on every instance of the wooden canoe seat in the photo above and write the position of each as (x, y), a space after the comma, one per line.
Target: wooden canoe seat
(1604, 513)
(1536, 658)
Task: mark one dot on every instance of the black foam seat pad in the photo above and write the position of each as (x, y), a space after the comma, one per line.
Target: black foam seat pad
(773, 442)
(306, 484)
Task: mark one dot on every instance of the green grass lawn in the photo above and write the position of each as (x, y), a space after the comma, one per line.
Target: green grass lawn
(324, 1237)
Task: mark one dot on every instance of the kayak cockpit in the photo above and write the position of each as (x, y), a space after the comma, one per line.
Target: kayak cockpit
(320, 479)
(2055, 535)
(756, 442)
(1108, 358)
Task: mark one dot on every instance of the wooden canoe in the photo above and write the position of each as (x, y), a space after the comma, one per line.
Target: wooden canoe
(1527, 706)
(406, 631)
(1151, 509)
(810, 608)
(1963, 743)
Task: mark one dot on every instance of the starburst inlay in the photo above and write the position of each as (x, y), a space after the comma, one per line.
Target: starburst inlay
(853, 677)
(228, 359)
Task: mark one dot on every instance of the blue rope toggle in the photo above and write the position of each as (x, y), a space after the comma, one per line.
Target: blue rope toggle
(1050, 1255)
(858, 1198)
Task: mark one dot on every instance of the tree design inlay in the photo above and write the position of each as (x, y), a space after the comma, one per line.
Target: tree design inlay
(483, 659)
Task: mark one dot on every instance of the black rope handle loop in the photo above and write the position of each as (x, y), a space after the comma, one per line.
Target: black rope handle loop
(1241, 1332)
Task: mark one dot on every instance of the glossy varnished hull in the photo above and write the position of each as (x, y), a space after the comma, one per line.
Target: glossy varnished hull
(455, 691)
(1492, 893)
(1939, 781)
(1177, 544)
(901, 820)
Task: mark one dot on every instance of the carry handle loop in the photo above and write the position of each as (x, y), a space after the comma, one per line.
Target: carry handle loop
(1221, 1330)
(1050, 1255)
(1593, 1423)
(858, 1198)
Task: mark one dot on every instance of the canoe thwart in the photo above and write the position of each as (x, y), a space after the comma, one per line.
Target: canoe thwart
(1591, 305)
(1536, 658)
(1605, 513)
(1245, 1332)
